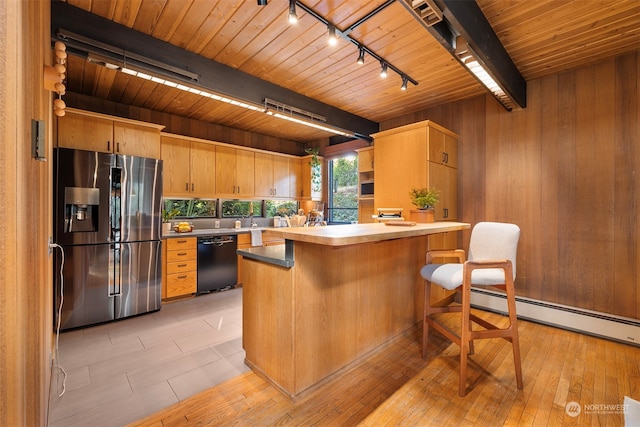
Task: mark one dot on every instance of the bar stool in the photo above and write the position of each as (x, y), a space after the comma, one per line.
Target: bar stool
(491, 262)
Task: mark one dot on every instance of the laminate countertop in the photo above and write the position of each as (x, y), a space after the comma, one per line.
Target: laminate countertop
(350, 234)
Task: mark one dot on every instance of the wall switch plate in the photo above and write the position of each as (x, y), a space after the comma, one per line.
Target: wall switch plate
(37, 140)
(216, 224)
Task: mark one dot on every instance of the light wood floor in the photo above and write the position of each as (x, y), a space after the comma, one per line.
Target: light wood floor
(395, 387)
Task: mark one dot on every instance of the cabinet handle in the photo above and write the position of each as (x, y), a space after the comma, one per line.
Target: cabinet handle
(193, 186)
(234, 189)
(182, 241)
(181, 254)
(238, 189)
(182, 277)
(117, 147)
(182, 265)
(446, 213)
(108, 145)
(186, 186)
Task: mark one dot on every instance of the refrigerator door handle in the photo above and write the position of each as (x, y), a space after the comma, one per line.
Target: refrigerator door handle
(115, 288)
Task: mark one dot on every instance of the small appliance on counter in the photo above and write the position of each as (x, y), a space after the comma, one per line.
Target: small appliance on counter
(389, 214)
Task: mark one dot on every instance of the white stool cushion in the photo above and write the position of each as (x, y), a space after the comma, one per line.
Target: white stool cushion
(449, 276)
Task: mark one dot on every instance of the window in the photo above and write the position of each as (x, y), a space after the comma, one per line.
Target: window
(343, 194)
(281, 207)
(231, 208)
(240, 208)
(191, 208)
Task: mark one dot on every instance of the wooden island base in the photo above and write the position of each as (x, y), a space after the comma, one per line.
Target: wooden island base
(304, 324)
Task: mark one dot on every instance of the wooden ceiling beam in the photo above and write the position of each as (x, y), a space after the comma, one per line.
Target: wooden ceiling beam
(465, 18)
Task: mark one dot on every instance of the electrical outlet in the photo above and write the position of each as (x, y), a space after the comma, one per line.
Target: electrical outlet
(50, 245)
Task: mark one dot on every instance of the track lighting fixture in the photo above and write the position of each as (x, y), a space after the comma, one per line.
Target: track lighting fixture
(333, 40)
(345, 33)
(293, 18)
(383, 70)
(361, 56)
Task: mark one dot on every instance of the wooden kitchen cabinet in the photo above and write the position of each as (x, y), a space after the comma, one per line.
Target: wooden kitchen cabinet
(365, 160)
(365, 175)
(295, 177)
(272, 175)
(180, 267)
(422, 154)
(234, 172)
(419, 155)
(98, 132)
(189, 167)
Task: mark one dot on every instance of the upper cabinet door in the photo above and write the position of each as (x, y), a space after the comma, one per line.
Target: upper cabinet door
(226, 170)
(175, 155)
(203, 170)
(264, 175)
(135, 140)
(280, 176)
(245, 173)
(85, 133)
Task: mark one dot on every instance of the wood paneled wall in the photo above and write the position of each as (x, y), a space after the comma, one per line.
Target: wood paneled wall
(187, 127)
(567, 170)
(25, 196)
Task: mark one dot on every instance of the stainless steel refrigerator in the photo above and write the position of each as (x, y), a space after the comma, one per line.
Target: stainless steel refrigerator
(107, 220)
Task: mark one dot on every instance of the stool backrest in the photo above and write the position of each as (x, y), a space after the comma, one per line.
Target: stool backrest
(494, 241)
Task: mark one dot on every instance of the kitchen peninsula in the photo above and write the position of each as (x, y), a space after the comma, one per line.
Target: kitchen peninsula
(330, 295)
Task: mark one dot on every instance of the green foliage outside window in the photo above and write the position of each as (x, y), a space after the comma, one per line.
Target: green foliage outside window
(343, 199)
(240, 208)
(194, 208)
(281, 208)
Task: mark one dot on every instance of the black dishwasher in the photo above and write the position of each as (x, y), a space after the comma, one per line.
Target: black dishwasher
(217, 263)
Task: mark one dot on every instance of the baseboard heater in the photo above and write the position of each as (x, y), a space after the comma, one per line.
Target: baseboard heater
(603, 325)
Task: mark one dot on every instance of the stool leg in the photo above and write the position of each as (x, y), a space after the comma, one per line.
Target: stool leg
(426, 312)
(465, 335)
(515, 342)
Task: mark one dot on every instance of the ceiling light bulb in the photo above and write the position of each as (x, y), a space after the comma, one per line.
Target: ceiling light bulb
(361, 57)
(333, 40)
(405, 83)
(383, 70)
(293, 18)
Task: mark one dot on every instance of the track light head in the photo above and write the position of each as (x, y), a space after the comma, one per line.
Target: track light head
(262, 2)
(361, 56)
(333, 40)
(383, 70)
(405, 83)
(293, 18)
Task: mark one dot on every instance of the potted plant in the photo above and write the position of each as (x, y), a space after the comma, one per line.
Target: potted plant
(316, 170)
(425, 199)
(167, 216)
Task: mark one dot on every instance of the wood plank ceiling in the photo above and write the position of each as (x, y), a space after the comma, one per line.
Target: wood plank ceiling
(542, 37)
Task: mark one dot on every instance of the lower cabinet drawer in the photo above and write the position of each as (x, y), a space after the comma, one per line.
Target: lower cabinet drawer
(182, 283)
(182, 266)
(184, 254)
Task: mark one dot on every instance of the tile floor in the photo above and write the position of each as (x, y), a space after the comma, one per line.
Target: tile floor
(122, 371)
